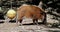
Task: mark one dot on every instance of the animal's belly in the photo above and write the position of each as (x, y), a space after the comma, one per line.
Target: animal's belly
(28, 15)
(38, 16)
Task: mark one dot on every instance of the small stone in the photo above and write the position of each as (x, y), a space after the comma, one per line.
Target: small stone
(59, 26)
(49, 25)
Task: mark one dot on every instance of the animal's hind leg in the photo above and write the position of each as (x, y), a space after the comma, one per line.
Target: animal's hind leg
(34, 21)
(44, 20)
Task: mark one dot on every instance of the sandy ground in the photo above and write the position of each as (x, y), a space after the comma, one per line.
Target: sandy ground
(12, 27)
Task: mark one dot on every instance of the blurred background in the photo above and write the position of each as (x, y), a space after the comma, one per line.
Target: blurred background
(51, 6)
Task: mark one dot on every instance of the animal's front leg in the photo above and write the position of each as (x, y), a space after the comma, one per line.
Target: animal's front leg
(20, 22)
(37, 21)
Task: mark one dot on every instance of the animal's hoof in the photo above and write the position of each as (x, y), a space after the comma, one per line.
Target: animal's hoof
(21, 24)
(37, 24)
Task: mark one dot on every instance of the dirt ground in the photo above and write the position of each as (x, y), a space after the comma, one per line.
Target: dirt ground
(12, 27)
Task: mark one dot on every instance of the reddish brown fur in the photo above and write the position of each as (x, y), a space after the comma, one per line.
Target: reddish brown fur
(30, 11)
